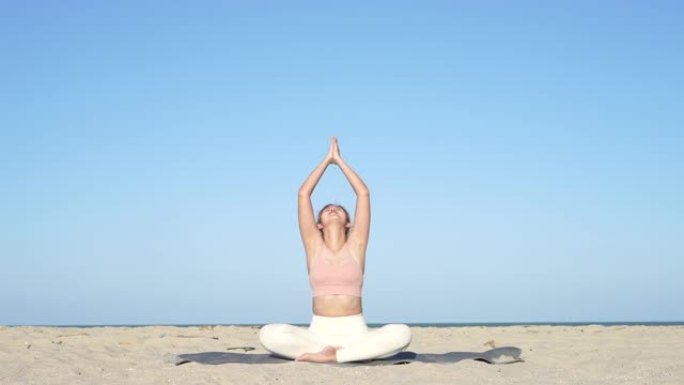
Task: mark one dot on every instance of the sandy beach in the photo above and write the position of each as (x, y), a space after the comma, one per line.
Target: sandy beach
(591, 354)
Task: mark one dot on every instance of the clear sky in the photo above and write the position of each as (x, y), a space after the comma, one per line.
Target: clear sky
(525, 159)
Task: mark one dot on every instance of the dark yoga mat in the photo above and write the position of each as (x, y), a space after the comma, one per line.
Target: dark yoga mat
(503, 355)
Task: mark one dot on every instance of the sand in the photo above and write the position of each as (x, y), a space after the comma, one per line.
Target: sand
(139, 355)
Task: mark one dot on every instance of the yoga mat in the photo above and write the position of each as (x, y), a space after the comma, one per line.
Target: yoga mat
(503, 355)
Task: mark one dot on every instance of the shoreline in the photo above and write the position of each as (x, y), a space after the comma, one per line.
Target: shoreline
(373, 324)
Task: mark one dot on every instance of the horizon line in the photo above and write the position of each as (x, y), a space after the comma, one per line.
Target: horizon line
(372, 324)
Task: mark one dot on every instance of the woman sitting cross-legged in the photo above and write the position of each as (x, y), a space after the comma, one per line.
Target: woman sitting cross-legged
(335, 256)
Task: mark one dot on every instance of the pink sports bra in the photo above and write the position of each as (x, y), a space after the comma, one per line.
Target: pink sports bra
(342, 277)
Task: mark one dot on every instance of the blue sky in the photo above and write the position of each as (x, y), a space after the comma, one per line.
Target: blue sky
(524, 158)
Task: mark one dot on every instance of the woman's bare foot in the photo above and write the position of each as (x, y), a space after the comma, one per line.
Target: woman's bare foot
(328, 354)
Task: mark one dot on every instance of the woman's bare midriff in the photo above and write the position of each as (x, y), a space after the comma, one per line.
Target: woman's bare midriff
(336, 305)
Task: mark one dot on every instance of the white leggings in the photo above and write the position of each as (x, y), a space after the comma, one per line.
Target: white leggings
(354, 340)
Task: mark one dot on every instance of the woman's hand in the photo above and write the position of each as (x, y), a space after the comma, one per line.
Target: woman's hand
(334, 152)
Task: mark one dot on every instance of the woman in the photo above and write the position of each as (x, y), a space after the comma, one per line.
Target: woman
(335, 259)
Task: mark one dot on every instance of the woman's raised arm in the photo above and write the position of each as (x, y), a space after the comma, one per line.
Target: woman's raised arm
(361, 229)
(307, 219)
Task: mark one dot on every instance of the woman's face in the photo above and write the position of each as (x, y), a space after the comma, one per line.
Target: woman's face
(333, 213)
